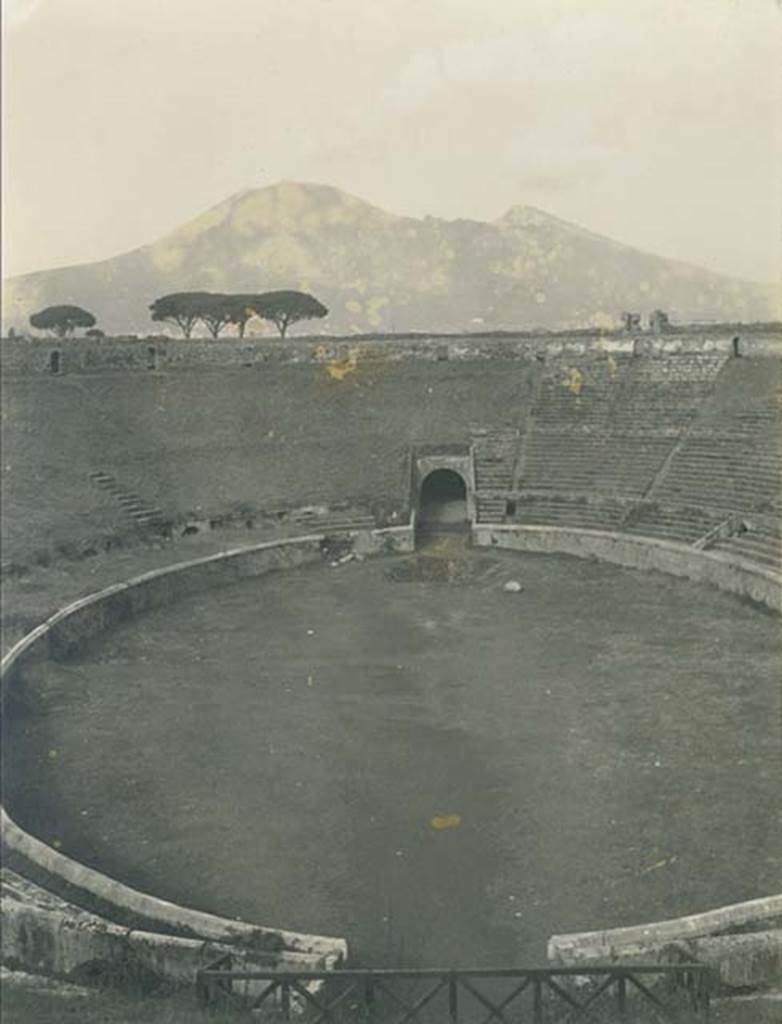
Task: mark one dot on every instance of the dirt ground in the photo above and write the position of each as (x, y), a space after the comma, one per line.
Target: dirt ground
(405, 753)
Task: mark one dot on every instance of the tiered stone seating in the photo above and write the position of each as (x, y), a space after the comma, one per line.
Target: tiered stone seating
(631, 463)
(564, 462)
(731, 472)
(495, 453)
(663, 394)
(578, 393)
(608, 424)
(578, 513)
(666, 447)
(759, 542)
(566, 449)
(683, 524)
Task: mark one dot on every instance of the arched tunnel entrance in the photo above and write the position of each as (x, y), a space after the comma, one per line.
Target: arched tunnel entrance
(442, 503)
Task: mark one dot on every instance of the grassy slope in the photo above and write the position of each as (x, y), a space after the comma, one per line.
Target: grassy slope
(205, 441)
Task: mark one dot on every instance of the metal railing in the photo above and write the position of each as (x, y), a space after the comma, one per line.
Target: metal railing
(631, 993)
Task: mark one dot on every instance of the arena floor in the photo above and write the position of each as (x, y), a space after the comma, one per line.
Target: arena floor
(401, 752)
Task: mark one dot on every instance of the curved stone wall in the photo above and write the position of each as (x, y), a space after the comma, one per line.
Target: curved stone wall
(80, 621)
(720, 570)
(648, 940)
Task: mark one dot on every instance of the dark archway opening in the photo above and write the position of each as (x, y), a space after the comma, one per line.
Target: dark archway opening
(443, 502)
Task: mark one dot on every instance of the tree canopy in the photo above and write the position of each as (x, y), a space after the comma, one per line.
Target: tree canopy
(284, 308)
(217, 311)
(184, 309)
(62, 320)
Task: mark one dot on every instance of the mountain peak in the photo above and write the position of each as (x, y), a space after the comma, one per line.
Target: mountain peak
(296, 206)
(379, 271)
(520, 215)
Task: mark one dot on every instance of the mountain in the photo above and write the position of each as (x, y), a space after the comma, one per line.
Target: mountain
(380, 272)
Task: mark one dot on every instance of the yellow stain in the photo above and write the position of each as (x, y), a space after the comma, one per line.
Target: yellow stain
(53, 754)
(56, 843)
(603, 321)
(613, 367)
(282, 206)
(574, 380)
(374, 305)
(352, 306)
(441, 821)
(338, 369)
(167, 257)
(283, 254)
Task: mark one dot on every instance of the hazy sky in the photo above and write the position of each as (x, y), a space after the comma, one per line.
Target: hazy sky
(656, 122)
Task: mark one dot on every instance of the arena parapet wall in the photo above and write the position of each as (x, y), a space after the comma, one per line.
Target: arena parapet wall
(645, 553)
(743, 959)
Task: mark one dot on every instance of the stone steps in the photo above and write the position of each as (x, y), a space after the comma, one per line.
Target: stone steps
(494, 455)
(490, 510)
(129, 502)
(755, 548)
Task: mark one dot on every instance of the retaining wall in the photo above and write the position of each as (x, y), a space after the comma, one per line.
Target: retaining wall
(43, 934)
(721, 570)
(78, 623)
(156, 352)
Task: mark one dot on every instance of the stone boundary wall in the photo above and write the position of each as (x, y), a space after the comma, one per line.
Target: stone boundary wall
(68, 630)
(635, 940)
(721, 570)
(159, 352)
(742, 942)
(45, 935)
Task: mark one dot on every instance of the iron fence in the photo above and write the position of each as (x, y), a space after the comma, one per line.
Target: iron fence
(636, 994)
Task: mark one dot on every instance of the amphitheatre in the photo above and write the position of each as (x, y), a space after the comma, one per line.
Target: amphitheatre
(514, 695)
